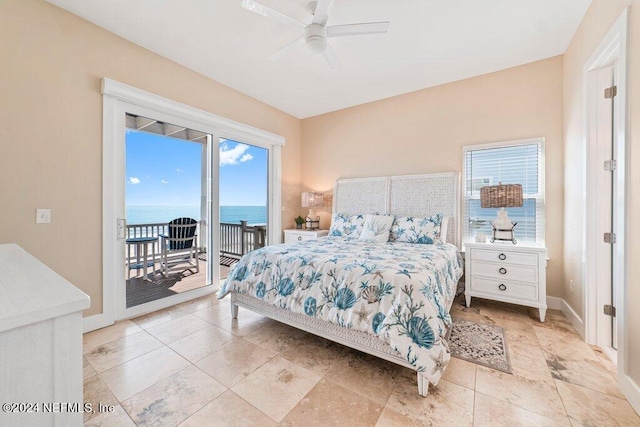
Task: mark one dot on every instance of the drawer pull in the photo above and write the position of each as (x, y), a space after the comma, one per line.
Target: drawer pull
(503, 270)
(502, 287)
(502, 257)
(299, 238)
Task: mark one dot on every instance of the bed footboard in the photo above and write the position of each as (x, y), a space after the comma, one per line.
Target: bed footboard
(349, 338)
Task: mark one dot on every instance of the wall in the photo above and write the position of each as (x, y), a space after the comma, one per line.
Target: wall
(425, 131)
(598, 20)
(51, 132)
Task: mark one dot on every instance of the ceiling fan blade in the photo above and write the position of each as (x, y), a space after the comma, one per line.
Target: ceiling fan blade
(321, 15)
(286, 49)
(358, 29)
(266, 11)
(331, 57)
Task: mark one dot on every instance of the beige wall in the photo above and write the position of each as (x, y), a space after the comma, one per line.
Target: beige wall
(52, 63)
(425, 131)
(599, 18)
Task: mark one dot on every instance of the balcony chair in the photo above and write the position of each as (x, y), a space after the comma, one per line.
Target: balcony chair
(180, 245)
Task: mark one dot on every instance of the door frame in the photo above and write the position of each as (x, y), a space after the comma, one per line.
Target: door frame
(612, 51)
(118, 99)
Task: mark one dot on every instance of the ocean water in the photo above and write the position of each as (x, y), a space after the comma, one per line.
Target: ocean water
(163, 214)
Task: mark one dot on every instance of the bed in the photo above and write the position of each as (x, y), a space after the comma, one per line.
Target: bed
(390, 299)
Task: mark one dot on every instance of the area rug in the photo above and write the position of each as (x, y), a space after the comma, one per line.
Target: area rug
(479, 343)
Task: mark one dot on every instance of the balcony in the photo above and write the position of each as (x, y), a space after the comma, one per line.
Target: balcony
(235, 241)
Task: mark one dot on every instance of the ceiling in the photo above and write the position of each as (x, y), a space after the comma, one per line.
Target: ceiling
(430, 42)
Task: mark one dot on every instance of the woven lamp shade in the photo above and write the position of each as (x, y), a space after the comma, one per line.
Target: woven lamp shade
(311, 199)
(501, 196)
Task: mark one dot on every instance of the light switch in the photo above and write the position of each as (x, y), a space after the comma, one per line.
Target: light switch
(43, 216)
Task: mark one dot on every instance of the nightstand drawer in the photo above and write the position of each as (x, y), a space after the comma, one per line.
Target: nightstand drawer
(502, 271)
(505, 289)
(293, 236)
(505, 256)
(297, 237)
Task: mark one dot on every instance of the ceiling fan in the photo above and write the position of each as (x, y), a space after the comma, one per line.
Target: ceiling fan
(315, 35)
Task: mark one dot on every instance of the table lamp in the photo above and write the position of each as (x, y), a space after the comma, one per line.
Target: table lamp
(311, 200)
(502, 196)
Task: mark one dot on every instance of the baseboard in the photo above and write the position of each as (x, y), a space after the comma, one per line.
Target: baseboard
(631, 391)
(97, 321)
(573, 317)
(554, 303)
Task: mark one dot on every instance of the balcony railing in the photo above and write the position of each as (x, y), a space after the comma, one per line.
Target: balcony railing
(235, 239)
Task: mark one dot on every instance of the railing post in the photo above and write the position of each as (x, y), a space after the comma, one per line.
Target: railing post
(259, 238)
(243, 244)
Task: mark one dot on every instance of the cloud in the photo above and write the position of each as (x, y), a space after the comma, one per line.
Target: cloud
(231, 156)
(163, 181)
(134, 180)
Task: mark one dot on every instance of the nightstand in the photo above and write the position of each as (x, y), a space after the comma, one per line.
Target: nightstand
(510, 273)
(295, 235)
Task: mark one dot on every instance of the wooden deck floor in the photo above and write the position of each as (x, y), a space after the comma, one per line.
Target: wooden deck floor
(141, 291)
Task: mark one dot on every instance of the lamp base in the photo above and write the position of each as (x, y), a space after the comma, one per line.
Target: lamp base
(312, 224)
(504, 235)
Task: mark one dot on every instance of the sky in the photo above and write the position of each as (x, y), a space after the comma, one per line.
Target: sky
(163, 171)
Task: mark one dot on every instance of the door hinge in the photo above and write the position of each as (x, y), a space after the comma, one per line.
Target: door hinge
(611, 92)
(609, 237)
(609, 310)
(610, 165)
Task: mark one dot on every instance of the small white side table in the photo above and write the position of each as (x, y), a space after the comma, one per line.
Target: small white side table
(505, 272)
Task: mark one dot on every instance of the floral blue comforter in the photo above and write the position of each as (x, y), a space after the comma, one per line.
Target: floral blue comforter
(401, 292)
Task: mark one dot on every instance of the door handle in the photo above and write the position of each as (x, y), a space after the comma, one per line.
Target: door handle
(122, 228)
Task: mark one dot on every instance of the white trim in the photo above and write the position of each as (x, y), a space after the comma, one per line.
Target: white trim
(119, 99)
(573, 317)
(97, 321)
(502, 144)
(630, 389)
(554, 303)
(230, 128)
(612, 51)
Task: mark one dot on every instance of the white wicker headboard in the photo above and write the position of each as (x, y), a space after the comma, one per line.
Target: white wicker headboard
(402, 195)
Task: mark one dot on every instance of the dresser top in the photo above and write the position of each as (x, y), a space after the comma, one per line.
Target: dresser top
(31, 292)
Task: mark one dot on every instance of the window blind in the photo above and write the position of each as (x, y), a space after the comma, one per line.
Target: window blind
(508, 163)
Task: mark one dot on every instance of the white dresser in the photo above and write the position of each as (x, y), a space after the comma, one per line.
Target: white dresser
(505, 272)
(40, 343)
(294, 235)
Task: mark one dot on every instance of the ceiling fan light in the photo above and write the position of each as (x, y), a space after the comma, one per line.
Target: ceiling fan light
(316, 44)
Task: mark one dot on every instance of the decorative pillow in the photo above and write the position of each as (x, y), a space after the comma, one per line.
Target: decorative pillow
(417, 230)
(376, 228)
(346, 225)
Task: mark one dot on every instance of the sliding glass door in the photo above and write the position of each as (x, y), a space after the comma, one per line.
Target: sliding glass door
(244, 200)
(166, 210)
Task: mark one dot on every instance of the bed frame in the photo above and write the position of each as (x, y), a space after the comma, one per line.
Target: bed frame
(404, 195)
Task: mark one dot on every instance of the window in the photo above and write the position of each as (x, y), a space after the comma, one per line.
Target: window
(513, 162)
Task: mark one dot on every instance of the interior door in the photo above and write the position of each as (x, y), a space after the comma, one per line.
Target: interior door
(607, 332)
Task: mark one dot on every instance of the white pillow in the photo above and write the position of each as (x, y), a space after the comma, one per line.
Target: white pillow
(376, 228)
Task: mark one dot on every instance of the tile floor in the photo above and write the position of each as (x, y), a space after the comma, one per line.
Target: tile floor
(192, 365)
